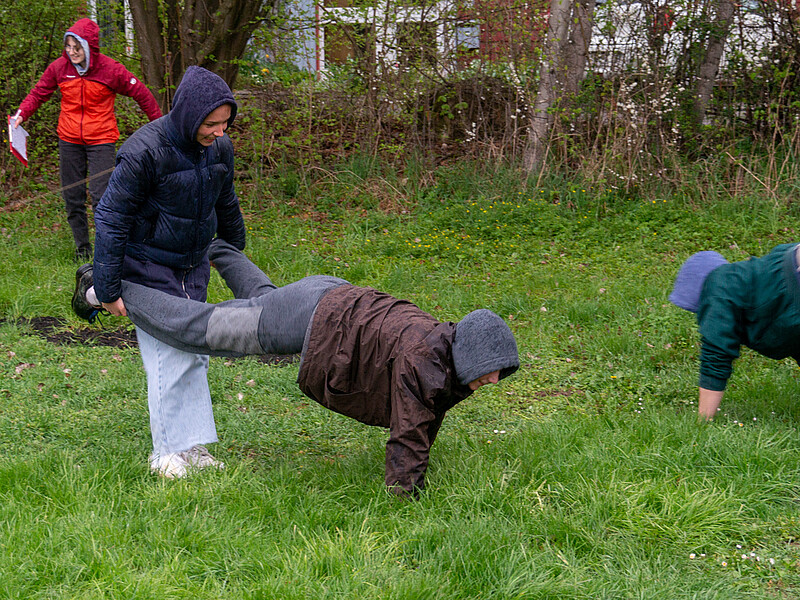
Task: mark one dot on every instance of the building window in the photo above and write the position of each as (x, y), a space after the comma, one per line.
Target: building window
(344, 41)
(468, 36)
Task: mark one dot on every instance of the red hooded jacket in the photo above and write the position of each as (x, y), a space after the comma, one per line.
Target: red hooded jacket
(87, 102)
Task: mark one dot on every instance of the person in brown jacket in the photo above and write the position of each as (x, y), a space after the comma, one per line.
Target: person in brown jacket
(363, 353)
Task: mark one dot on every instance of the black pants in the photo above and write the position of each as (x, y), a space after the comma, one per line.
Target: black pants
(76, 161)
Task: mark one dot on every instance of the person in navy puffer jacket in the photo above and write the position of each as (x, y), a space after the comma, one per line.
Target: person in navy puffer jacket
(171, 193)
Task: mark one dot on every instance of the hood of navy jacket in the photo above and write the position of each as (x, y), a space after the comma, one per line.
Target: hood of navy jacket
(87, 32)
(199, 93)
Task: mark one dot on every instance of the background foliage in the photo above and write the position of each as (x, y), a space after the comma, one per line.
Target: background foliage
(631, 121)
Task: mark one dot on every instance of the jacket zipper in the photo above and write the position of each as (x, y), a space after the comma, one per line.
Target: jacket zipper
(83, 109)
(183, 284)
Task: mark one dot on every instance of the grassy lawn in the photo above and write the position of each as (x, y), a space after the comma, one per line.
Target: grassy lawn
(584, 475)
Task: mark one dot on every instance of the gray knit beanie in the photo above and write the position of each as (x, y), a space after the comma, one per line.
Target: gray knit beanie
(691, 277)
(483, 344)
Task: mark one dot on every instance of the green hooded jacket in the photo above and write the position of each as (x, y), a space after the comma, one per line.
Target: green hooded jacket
(755, 303)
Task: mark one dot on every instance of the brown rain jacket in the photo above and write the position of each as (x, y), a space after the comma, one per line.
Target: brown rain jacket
(384, 362)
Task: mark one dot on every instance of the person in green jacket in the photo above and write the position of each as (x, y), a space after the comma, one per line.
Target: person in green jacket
(753, 303)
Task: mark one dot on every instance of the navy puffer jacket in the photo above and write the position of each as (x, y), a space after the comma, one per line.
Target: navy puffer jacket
(169, 195)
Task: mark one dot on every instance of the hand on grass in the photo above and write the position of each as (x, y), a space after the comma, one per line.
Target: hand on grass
(708, 404)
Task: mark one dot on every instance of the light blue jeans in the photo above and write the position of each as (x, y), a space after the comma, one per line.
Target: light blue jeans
(178, 397)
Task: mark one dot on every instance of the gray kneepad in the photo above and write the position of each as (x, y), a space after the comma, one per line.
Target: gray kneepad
(234, 329)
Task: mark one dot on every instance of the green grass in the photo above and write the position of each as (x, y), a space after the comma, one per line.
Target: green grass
(585, 475)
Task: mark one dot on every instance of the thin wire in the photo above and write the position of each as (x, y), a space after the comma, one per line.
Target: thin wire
(20, 203)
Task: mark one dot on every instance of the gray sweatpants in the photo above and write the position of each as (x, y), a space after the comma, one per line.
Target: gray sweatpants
(263, 319)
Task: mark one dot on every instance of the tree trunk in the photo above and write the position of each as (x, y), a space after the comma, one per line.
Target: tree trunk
(151, 46)
(707, 71)
(174, 34)
(550, 87)
(577, 50)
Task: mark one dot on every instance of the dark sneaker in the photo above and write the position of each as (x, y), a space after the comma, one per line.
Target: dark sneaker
(84, 279)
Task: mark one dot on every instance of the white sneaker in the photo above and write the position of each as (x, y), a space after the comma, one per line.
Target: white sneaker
(171, 466)
(179, 464)
(200, 458)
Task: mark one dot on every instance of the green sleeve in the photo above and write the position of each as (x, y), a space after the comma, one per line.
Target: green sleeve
(722, 303)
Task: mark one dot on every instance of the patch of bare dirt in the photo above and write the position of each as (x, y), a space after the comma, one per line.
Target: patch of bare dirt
(59, 332)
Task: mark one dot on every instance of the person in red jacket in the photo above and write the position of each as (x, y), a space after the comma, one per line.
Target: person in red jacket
(87, 127)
